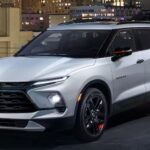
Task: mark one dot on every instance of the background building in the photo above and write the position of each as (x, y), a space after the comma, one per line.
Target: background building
(47, 6)
(145, 4)
(89, 12)
(104, 12)
(10, 3)
(55, 19)
(38, 15)
(35, 22)
(134, 3)
(143, 15)
(11, 38)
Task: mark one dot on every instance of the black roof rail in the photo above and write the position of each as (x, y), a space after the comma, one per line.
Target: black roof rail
(89, 21)
(134, 21)
(105, 21)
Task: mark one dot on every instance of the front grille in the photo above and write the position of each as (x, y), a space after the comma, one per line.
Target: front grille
(15, 102)
(14, 85)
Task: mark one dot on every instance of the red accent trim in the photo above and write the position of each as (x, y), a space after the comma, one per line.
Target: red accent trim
(119, 52)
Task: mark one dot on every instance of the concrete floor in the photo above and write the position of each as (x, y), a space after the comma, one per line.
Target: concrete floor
(126, 131)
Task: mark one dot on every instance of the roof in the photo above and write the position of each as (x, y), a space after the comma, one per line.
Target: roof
(99, 26)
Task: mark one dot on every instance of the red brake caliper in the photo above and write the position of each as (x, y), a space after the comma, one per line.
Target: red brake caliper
(101, 126)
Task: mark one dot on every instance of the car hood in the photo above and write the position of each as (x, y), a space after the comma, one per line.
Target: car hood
(24, 69)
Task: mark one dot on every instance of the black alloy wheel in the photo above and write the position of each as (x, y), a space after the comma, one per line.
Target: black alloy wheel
(92, 115)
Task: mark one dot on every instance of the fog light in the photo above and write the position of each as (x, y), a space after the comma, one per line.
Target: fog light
(56, 100)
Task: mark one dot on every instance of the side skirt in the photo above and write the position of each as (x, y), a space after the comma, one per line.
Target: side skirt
(128, 104)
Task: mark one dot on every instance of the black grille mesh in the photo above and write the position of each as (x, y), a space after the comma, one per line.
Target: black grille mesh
(15, 102)
(14, 85)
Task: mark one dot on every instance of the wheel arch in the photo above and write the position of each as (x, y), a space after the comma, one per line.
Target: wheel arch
(103, 86)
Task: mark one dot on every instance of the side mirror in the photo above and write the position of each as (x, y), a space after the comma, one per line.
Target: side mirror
(119, 53)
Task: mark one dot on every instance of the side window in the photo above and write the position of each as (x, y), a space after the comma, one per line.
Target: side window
(142, 38)
(123, 40)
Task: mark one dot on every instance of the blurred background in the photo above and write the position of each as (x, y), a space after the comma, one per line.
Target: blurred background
(22, 20)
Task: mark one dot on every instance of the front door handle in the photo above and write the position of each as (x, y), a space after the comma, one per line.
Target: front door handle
(140, 61)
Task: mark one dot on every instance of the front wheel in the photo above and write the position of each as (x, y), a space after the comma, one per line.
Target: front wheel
(92, 115)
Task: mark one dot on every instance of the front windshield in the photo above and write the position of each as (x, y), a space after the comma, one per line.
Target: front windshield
(66, 43)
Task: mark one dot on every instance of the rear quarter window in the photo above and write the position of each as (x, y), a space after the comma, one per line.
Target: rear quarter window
(143, 39)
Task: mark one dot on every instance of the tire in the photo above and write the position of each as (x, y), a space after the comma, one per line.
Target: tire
(92, 115)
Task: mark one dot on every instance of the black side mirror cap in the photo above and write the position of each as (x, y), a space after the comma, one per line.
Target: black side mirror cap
(117, 54)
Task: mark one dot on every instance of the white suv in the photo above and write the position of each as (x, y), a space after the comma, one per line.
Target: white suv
(74, 76)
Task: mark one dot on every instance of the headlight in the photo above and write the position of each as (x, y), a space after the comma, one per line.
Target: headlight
(51, 81)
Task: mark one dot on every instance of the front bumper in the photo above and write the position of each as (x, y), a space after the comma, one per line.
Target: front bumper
(19, 125)
(38, 122)
(44, 116)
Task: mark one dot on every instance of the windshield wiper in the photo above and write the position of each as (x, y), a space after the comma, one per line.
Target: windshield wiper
(21, 55)
(49, 54)
(52, 54)
(42, 54)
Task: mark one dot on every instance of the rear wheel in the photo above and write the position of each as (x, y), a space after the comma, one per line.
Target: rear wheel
(92, 115)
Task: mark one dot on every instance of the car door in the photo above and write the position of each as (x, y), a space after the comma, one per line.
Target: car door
(127, 72)
(143, 39)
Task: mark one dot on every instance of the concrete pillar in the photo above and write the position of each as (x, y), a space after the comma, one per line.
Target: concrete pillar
(3, 22)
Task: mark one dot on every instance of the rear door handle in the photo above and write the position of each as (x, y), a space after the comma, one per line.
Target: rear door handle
(140, 61)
